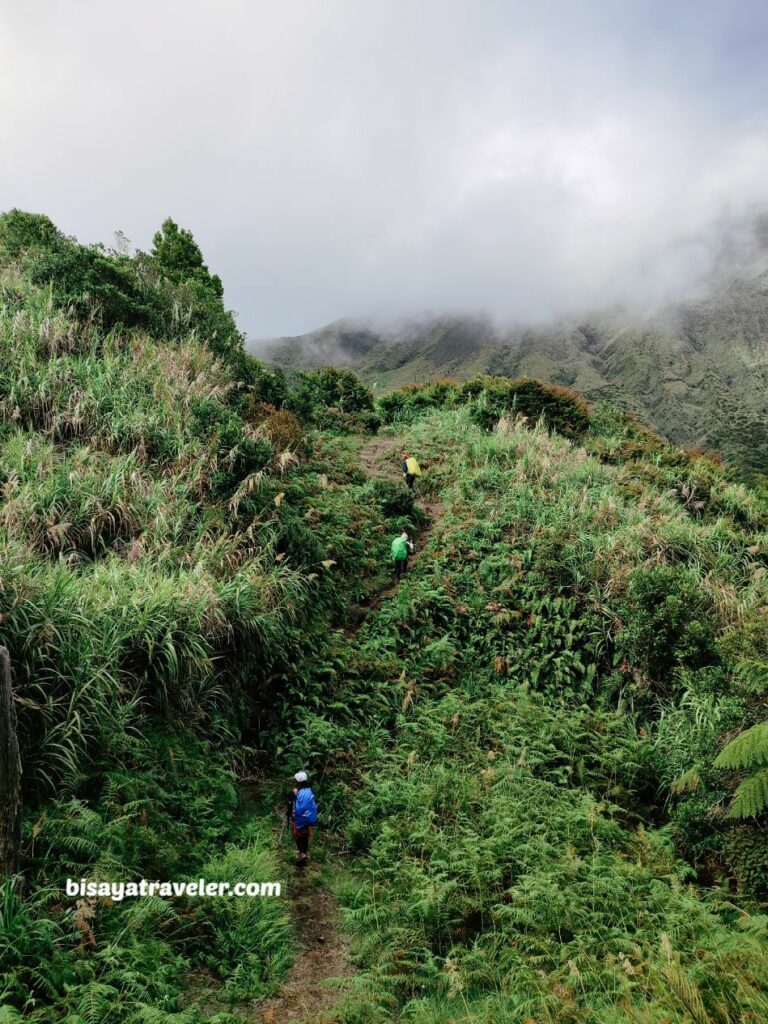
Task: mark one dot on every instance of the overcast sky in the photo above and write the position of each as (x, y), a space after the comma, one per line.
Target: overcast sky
(387, 157)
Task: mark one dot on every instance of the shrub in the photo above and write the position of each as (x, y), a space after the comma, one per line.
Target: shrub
(412, 401)
(168, 292)
(392, 498)
(562, 410)
(236, 454)
(332, 400)
(284, 430)
(666, 622)
(329, 388)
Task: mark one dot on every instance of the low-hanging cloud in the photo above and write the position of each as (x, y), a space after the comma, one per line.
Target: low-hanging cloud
(388, 158)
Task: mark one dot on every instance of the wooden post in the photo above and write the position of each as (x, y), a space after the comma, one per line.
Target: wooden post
(10, 774)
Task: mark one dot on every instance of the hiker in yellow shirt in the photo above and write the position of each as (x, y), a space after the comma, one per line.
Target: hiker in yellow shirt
(411, 469)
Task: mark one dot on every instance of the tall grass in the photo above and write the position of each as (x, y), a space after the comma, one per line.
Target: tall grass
(163, 568)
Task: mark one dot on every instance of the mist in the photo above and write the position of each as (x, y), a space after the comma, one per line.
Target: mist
(389, 160)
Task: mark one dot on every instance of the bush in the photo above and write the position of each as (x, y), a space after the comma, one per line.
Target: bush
(667, 622)
(263, 384)
(168, 292)
(392, 498)
(490, 398)
(329, 388)
(284, 430)
(332, 400)
(414, 400)
(237, 454)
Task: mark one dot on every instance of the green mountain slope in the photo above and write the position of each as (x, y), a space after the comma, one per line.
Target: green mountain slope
(532, 807)
(168, 535)
(559, 655)
(697, 373)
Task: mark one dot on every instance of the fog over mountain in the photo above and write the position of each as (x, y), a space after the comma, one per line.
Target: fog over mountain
(696, 370)
(334, 160)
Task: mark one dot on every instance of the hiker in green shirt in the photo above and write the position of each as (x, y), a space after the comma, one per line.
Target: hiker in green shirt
(401, 548)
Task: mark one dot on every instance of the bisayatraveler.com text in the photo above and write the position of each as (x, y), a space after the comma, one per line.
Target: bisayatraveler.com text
(118, 891)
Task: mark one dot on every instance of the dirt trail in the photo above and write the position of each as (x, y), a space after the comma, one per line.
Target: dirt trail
(372, 456)
(323, 951)
(323, 954)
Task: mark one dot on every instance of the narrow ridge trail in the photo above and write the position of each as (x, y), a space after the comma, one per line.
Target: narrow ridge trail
(323, 952)
(372, 457)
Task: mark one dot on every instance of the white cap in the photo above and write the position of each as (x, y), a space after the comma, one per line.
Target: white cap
(300, 776)
(404, 535)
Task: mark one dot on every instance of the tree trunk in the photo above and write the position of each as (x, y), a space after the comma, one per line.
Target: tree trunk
(10, 774)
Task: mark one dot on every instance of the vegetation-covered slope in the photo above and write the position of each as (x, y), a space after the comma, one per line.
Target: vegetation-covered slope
(525, 751)
(542, 704)
(171, 542)
(697, 373)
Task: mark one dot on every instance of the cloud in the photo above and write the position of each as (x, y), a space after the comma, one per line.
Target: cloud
(382, 159)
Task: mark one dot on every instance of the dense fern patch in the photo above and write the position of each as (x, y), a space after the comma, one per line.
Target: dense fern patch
(515, 721)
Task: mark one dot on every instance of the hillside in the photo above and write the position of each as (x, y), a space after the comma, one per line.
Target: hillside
(540, 759)
(697, 373)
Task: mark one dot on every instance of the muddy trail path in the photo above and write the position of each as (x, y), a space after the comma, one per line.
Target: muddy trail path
(323, 954)
(376, 458)
(310, 989)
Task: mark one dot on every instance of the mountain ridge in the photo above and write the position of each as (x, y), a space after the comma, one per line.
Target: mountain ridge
(696, 371)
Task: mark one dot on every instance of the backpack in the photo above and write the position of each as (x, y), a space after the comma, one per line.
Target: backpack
(305, 808)
(399, 549)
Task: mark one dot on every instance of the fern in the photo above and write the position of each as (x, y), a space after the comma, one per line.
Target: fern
(688, 782)
(96, 1001)
(751, 796)
(748, 750)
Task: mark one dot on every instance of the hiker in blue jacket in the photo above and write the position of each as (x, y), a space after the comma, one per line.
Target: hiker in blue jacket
(302, 814)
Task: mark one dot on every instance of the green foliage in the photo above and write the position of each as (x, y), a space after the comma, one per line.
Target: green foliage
(333, 400)
(22, 232)
(168, 292)
(562, 410)
(393, 498)
(412, 401)
(748, 750)
(518, 745)
(179, 258)
(746, 849)
(490, 398)
(668, 622)
(751, 796)
(251, 933)
(170, 549)
(499, 733)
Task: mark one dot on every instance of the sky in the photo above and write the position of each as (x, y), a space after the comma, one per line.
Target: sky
(389, 158)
